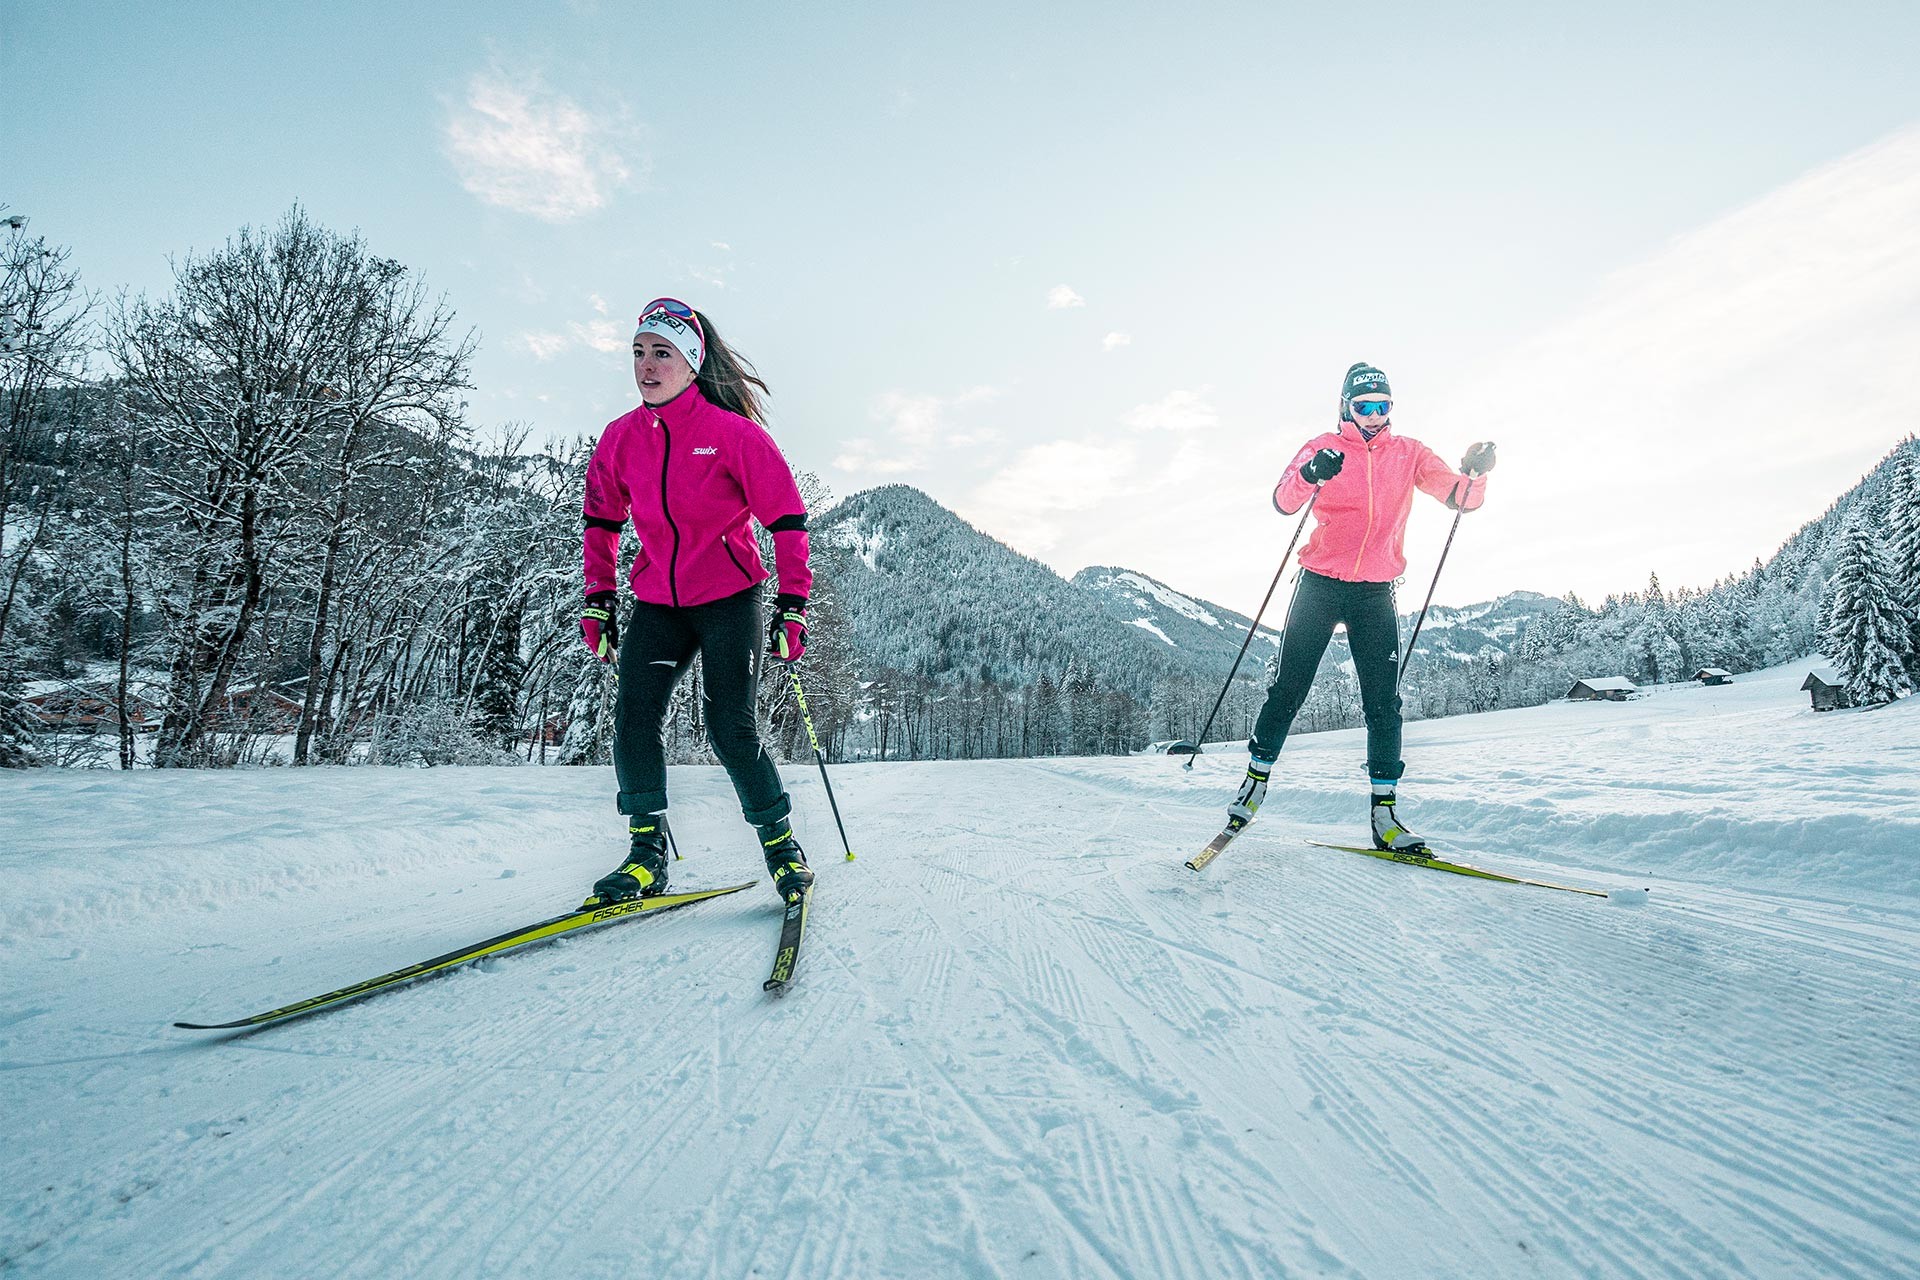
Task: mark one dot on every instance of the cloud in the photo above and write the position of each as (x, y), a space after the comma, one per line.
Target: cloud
(1029, 501)
(1706, 401)
(604, 334)
(915, 427)
(1039, 501)
(1062, 296)
(1176, 411)
(518, 145)
(545, 346)
(1116, 339)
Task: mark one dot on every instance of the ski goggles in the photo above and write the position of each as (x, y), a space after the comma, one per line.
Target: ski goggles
(1372, 408)
(675, 321)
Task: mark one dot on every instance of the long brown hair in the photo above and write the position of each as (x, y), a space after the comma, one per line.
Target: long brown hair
(728, 379)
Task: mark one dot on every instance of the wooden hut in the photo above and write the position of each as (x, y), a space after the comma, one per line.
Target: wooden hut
(1598, 688)
(1828, 690)
(1713, 675)
(87, 707)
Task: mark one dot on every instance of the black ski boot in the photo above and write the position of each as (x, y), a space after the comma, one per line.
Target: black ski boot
(1253, 789)
(785, 861)
(1389, 834)
(644, 873)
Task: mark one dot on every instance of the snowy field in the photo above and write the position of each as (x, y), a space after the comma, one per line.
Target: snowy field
(1025, 1041)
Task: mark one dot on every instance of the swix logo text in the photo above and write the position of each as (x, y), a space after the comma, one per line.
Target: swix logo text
(706, 451)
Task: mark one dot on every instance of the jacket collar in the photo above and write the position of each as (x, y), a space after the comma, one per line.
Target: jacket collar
(1349, 431)
(677, 411)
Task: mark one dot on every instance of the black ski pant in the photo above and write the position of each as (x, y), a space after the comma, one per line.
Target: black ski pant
(1319, 604)
(657, 647)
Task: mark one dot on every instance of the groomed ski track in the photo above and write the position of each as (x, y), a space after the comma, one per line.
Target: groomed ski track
(1025, 1041)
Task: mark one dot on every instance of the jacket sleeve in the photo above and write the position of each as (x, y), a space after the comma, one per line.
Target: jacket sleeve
(1292, 492)
(606, 513)
(1461, 492)
(774, 500)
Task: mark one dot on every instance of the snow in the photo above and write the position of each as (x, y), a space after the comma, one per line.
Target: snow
(1147, 624)
(1168, 597)
(867, 542)
(1025, 1040)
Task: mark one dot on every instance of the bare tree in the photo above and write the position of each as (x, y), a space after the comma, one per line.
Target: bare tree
(43, 344)
(286, 365)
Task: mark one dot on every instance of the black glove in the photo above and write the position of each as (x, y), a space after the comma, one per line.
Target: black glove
(1479, 459)
(787, 634)
(1323, 466)
(598, 626)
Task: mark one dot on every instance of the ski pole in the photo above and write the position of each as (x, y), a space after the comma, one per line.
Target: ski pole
(1271, 587)
(1407, 652)
(819, 758)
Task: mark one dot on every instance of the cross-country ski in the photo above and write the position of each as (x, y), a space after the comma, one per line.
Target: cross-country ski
(513, 940)
(1433, 862)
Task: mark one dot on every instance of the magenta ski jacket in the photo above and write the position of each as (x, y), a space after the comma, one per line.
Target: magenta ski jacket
(690, 474)
(1360, 522)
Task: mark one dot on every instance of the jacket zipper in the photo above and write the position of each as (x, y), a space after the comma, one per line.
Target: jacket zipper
(728, 546)
(673, 558)
(1368, 532)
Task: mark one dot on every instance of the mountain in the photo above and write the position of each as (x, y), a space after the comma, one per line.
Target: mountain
(926, 592)
(1198, 634)
(1496, 626)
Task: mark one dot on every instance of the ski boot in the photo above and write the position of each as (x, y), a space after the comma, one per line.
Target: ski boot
(1253, 789)
(1389, 834)
(786, 863)
(644, 872)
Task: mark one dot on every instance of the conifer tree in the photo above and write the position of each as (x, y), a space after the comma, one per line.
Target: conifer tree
(1866, 626)
(17, 750)
(1903, 532)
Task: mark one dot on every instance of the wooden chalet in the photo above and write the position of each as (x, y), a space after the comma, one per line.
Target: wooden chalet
(1828, 690)
(1602, 689)
(87, 707)
(1713, 675)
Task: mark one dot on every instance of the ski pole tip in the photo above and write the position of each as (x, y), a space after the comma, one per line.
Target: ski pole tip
(849, 855)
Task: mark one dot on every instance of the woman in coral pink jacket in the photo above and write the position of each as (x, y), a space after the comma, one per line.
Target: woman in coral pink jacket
(692, 467)
(1366, 476)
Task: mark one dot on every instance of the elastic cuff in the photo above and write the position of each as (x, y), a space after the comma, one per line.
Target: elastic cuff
(787, 600)
(775, 812)
(1260, 753)
(642, 801)
(1387, 773)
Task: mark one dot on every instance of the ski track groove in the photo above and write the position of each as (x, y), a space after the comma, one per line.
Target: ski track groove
(1720, 1140)
(1074, 1064)
(1074, 1052)
(1106, 979)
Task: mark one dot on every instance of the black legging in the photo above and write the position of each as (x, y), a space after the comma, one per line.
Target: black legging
(658, 645)
(1373, 634)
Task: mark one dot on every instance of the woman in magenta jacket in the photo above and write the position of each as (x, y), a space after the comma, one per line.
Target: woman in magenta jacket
(1366, 476)
(691, 467)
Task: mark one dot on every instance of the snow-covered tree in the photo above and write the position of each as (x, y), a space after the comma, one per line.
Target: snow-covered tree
(1867, 626)
(1903, 547)
(589, 731)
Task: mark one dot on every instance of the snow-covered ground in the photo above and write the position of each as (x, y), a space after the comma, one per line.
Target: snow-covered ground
(1025, 1041)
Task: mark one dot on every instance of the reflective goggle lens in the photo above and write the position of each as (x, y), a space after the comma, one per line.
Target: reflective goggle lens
(672, 306)
(1372, 408)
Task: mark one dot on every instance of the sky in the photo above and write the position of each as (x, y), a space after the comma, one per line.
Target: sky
(1089, 274)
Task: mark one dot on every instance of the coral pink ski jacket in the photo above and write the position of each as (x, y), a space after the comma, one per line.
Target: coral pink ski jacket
(690, 474)
(1360, 522)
